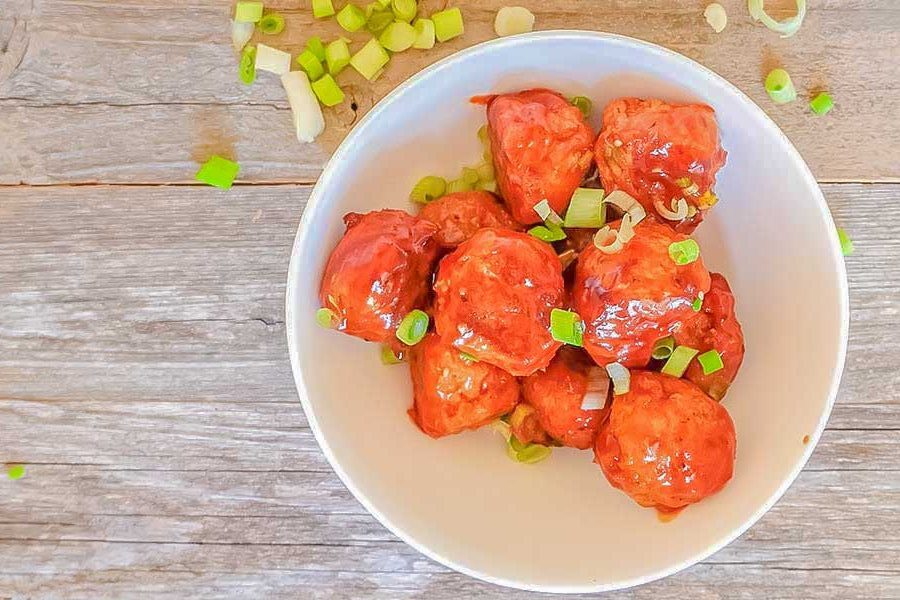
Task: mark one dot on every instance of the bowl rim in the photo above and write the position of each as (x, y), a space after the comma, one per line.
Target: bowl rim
(345, 147)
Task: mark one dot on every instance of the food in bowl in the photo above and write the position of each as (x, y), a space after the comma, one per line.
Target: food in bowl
(600, 328)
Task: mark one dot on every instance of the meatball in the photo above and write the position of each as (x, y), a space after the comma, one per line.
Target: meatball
(656, 151)
(715, 327)
(558, 392)
(451, 393)
(542, 149)
(666, 443)
(493, 297)
(631, 298)
(378, 272)
(461, 214)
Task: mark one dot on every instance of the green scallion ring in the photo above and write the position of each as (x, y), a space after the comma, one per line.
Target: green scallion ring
(326, 318)
(413, 327)
(822, 103)
(679, 360)
(566, 327)
(533, 453)
(247, 67)
(780, 87)
(684, 252)
(846, 242)
(388, 357)
(697, 304)
(662, 348)
(711, 362)
(583, 104)
(271, 24)
(427, 189)
(379, 21)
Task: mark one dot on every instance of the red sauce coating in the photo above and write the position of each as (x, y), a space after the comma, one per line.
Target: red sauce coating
(557, 393)
(451, 394)
(493, 297)
(378, 272)
(666, 443)
(715, 327)
(646, 146)
(542, 149)
(461, 214)
(630, 299)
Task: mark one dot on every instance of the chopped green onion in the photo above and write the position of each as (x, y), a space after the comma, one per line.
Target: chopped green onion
(678, 361)
(684, 252)
(620, 377)
(351, 18)
(310, 64)
(484, 136)
(398, 36)
(272, 60)
(370, 59)
(512, 20)
(627, 204)
(846, 242)
(548, 233)
(487, 186)
(468, 357)
(240, 34)
(328, 91)
(546, 213)
(448, 24)
(218, 172)
(711, 362)
(247, 66)
(15, 471)
(583, 104)
(322, 8)
(404, 10)
(822, 103)
(786, 28)
(314, 45)
(567, 327)
(424, 34)
(337, 56)
(271, 24)
(384, 4)
(459, 185)
(680, 212)
(388, 357)
(716, 16)
(379, 21)
(533, 453)
(413, 327)
(697, 304)
(662, 348)
(427, 189)
(248, 12)
(585, 209)
(470, 175)
(306, 114)
(485, 171)
(326, 318)
(780, 87)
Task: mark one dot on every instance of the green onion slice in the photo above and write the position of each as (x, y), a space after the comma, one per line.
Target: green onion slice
(697, 304)
(404, 10)
(272, 60)
(427, 189)
(15, 471)
(780, 87)
(822, 103)
(379, 21)
(271, 24)
(620, 377)
(424, 34)
(370, 60)
(548, 233)
(448, 24)
(326, 318)
(512, 20)
(351, 18)
(247, 66)
(470, 175)
(310, 64)
(413, 327)
(684, 252)
(662, 348)
(678, 361)
(459, 185)
(585, 209)
(315, 45)
(711, 362)
(322, 8)
(786, 28)
(388, 357)
(487, 186)
(328, 91)
(846, 242)
(627, 204)
(218, 172)
(546, 213)
(248, 12)
(533, 453)
(240, 34)
(680, 212)
(583, 103)
(566, 327)
(337, 56)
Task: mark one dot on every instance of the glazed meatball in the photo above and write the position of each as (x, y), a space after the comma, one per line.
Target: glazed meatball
(461, 214)
(542, 149)
(631, 298)
(666, 443)
(715, 327)
(557, 394)
(661, 152)
(493, 297)
(379, 271)
(452, 394)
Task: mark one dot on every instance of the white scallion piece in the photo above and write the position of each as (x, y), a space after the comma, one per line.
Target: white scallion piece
(305, 110)
(241, 34)
(626, 204)
(546, 213)
(272, 60)
(621, 378)
(597, 389)
(680, 212)
(716, 17)
(512, 20)
(786, 28)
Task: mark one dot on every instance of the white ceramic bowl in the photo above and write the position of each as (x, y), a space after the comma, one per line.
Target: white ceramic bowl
(558, 526)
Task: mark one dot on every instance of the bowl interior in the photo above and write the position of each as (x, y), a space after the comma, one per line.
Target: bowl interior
(558, 525)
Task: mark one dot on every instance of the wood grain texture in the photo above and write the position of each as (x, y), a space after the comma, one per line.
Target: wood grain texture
(144, 383)
(142, 91)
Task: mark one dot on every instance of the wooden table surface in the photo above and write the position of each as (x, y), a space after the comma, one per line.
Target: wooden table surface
(144, 378)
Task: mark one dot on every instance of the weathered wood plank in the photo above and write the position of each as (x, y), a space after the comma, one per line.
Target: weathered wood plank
(163, 73)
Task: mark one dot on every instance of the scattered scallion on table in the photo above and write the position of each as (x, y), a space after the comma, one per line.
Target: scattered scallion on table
(322, 8)
(424, 34)
(351, 18)
(337, 55)
(370, 59)
(398, 36)
(404, 10)
(512, 20)
(15, 472)
(248, 12)
(846, 242)
(327, 91)
(315, 45)
(310, 64)
(448, 24)
(247, 65)
(780, 87)
(218, 172)
(271, 24)
(272, 60)
(822, 103)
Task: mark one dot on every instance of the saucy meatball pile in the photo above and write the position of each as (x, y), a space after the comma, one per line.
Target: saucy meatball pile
(557, 295)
